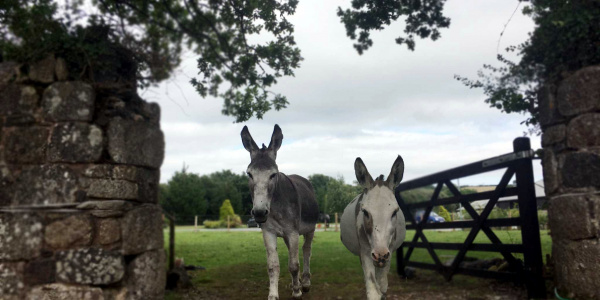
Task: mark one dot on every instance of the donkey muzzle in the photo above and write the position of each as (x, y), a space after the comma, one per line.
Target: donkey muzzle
(260, 215)
(380, 259)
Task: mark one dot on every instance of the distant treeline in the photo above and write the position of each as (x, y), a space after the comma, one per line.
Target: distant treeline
(425, 193)
(188, 194)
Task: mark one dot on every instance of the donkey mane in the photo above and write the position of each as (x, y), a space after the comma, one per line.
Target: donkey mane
(262, 160)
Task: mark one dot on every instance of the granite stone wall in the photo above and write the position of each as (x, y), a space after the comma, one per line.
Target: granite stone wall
(79, 174)
(570, 119)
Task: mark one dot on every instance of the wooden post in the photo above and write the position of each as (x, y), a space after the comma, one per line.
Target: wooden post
(530, 228)
(171, 243)
(196, 223)
(336, 222)
(400, 262)
(228, 223)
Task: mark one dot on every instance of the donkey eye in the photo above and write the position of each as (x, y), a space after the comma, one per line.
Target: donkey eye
(249, 175)
(272, 176)
(365, 213)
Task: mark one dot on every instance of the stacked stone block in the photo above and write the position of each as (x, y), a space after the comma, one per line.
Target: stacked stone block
(79, 174)
(570, 119)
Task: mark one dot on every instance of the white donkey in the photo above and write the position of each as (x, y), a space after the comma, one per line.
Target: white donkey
(373, 226)
(286, 207)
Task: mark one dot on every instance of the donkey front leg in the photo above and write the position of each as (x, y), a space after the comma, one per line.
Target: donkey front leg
(306, 251)
(291, 241)
(270, 240)
(371, 284)
(381, 274)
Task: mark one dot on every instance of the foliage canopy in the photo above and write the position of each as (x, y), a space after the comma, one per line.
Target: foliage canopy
(152, 35)
(149, 38)
(566, 38)
(423, 19)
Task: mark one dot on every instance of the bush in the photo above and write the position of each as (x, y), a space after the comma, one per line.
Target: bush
(445, 214)
(213, 224)
(225, 213)
(234, 222)
(226, 210)
(543, 218)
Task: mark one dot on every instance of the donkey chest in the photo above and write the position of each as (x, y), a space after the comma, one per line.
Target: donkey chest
(280, 227)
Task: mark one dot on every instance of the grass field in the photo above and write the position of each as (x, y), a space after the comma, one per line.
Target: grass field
(235, 265)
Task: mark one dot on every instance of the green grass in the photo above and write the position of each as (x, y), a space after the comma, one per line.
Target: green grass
(236, 268)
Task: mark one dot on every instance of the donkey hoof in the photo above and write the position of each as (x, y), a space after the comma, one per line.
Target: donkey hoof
(305, 284)
(273, 297)
(297, 294)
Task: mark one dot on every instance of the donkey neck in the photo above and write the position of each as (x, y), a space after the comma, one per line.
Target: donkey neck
(285, 208)
(285, 192)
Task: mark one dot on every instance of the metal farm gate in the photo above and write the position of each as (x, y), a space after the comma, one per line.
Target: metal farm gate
(517, 163)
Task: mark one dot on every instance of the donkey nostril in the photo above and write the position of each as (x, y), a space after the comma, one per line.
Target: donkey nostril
(252, 212)
(266, 212)
(387, 255)
(374, 257)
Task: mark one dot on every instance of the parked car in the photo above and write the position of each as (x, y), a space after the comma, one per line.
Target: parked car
(433, 217)
(324, 218)
(252, 223)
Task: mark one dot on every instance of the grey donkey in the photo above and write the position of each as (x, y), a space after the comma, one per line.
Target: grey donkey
(285, 206)
(373, 226)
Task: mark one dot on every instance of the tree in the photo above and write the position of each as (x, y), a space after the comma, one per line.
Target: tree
(320, 183)
(151, 36)
(185, 197)
(232, 186)
(424, 194)
(227, 217)
(213, 189)
(339, 194)
(445, 214)
(226, 210)
(566, 38)
(226, 185)
(423, 18)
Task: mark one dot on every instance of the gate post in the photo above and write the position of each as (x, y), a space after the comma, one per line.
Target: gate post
(530, 228)
(400, 261)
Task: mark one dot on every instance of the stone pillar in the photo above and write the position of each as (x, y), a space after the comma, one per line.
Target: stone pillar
(570, 119)
(79, 174)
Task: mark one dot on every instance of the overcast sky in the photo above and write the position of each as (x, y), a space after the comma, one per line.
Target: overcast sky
(388, 101)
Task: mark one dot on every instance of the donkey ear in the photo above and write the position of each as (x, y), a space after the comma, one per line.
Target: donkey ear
(362, 174)
(248, 141)
(396, 174)
(276, 139)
